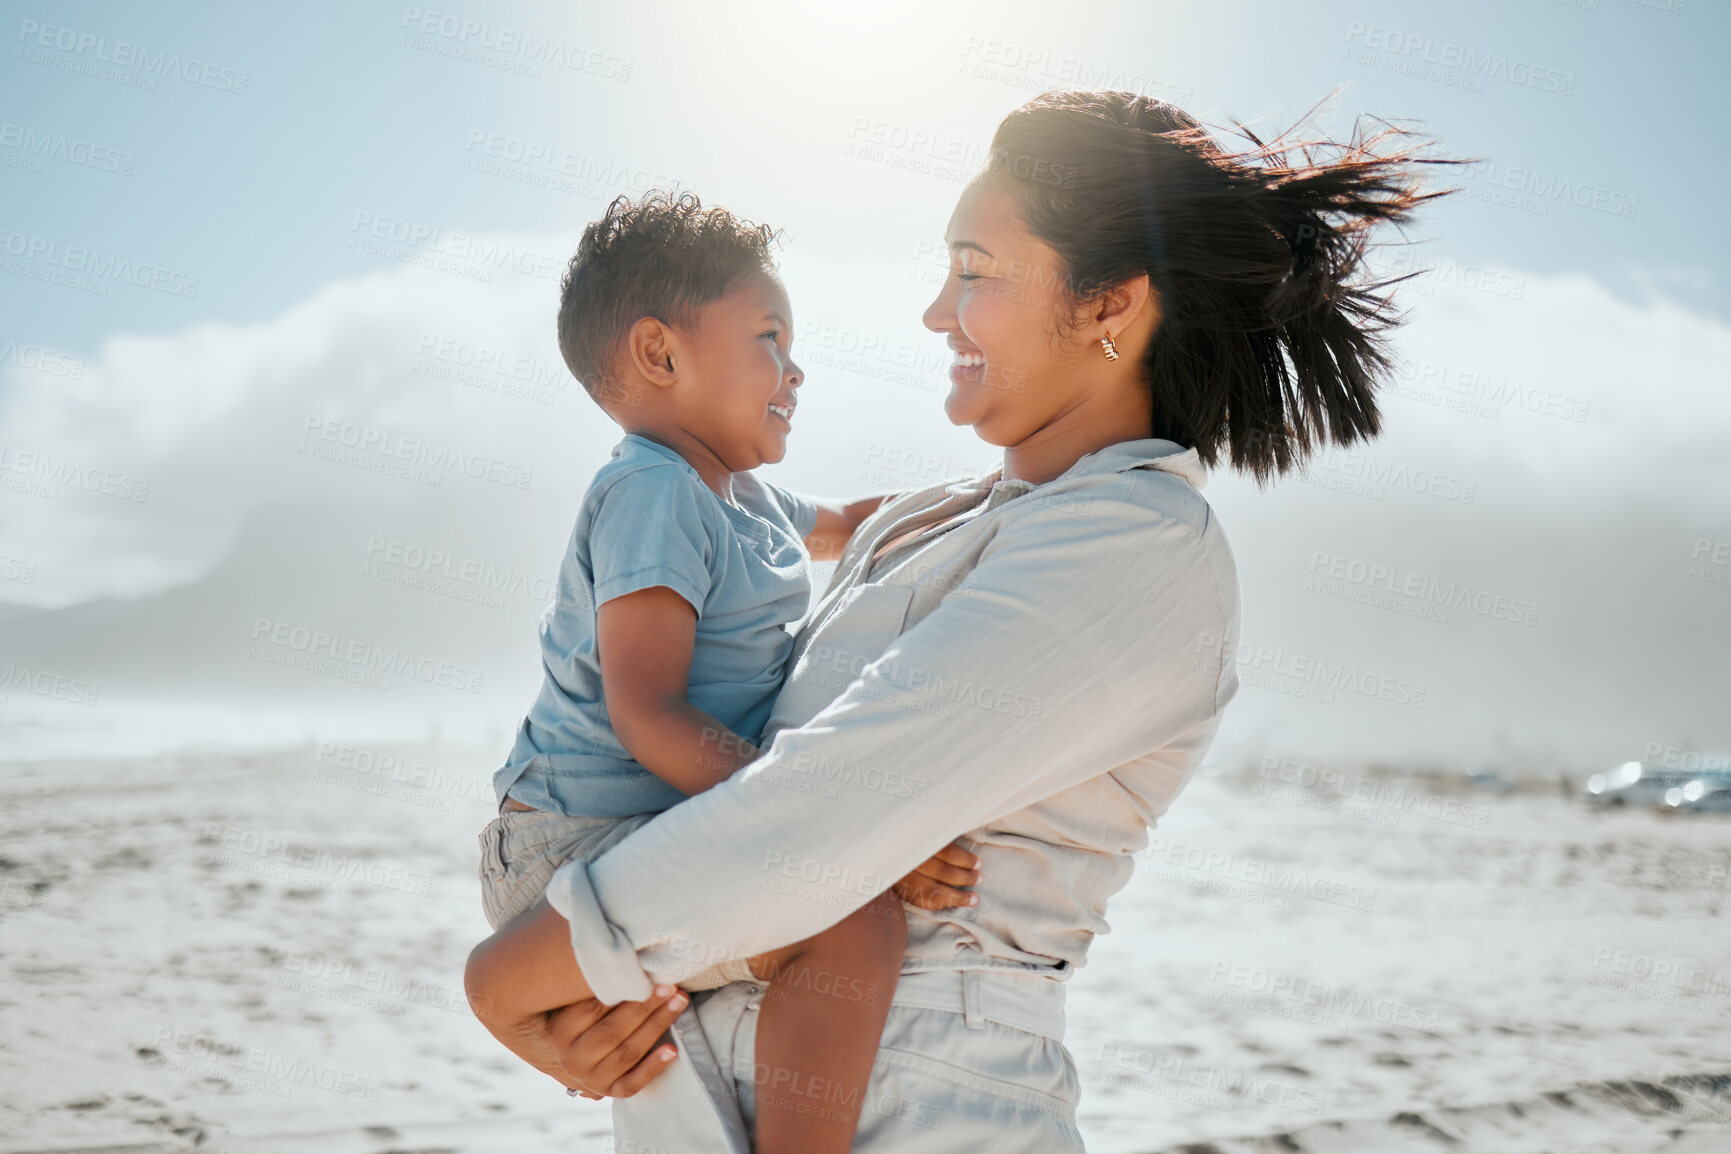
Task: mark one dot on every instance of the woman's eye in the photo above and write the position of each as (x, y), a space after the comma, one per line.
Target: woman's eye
(967, 276)
(772, 334)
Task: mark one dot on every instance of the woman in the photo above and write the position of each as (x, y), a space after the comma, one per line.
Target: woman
(1034, 661)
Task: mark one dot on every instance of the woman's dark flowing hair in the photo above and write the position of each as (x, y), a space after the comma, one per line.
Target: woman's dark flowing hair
(1270, 344)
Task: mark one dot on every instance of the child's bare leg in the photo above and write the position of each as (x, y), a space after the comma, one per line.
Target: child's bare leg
(819, 1028)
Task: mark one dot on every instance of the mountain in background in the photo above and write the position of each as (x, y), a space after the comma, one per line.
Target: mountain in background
(335, 609)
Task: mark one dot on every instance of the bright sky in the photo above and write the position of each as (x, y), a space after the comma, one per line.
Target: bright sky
(376, 108)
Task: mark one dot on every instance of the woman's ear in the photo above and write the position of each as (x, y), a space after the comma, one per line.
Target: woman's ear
(1120, 307)
(651, 346)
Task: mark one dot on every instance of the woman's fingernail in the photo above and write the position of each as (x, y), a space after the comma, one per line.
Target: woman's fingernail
(666, 1055)
(677, 1002)
(973, 899)
(664, 991)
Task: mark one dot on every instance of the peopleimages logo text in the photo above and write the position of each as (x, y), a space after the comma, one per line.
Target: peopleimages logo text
(364, 655)
(103, 266)
(388, 445)
(1390, 579)
(1300, 668)
(55, 471)
(1468, 61)
(124, 54)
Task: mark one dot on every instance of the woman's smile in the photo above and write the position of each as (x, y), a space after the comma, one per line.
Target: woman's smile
(968, 366)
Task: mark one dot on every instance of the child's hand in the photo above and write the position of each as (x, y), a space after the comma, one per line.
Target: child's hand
(937, 883)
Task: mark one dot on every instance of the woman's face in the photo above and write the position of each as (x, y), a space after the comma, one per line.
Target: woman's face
(1012, 373)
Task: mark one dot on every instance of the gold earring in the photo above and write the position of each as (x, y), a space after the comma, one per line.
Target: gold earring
(1107, 347)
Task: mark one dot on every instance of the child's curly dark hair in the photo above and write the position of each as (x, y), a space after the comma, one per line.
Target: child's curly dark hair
(665, 256)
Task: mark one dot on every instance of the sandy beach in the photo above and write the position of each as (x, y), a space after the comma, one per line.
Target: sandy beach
(261, 953)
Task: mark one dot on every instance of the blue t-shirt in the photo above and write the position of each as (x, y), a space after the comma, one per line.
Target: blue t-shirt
(648, 519)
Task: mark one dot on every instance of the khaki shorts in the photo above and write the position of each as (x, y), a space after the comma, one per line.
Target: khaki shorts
(520, 851)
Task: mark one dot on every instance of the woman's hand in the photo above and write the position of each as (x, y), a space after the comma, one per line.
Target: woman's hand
(525, 988)
(519, 977)
(937, 883)
(602, 1049)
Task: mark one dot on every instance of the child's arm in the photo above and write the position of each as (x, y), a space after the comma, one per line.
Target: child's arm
(836, 521)
(645, 641)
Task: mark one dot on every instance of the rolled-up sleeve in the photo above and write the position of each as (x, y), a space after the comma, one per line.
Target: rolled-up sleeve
(1076, 644)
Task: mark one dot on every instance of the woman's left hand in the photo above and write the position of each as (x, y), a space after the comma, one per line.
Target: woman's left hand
(605, 1050)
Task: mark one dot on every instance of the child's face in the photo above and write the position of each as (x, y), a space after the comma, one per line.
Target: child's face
(738, 372)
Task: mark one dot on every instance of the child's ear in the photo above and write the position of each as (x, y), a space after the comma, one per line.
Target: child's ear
(652, 351)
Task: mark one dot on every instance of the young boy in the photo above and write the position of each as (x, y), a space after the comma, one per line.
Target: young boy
(667, 645)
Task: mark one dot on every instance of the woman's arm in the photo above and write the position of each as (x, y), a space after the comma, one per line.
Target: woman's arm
(1077, 644)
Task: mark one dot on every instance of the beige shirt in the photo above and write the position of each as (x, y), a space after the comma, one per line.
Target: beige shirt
(1042, 678)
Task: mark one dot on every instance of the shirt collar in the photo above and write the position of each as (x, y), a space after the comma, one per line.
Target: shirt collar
(653, 446)
(1144, 453)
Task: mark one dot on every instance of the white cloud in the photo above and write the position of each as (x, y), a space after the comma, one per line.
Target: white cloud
(213, 418)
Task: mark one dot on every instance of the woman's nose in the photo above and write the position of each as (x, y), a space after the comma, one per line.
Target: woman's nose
(940, 316)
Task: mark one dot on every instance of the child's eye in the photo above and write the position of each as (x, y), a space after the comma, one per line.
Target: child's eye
(772, 334)
(967, 276)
